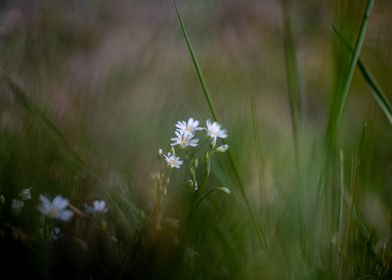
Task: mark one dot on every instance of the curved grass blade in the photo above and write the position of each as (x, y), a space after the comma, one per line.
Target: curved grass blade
(197, 67)
(55, 134)
(295, 94)
(375, 89)
(260, 233)
(342, 94)
(66, 148)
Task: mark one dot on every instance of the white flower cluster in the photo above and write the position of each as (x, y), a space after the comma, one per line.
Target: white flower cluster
(19, 202)
(58, 208)
(185, 137)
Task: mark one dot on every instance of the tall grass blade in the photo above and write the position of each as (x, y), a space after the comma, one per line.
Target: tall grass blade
(59, 139)
(260, 233)
(375, 89)
(55, 134)
(342, 93)
(294, 91)
(197, 67)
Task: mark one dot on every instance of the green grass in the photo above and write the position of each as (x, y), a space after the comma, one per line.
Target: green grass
(89, 94)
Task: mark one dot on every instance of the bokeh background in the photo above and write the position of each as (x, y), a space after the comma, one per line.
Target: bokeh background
(113, 77)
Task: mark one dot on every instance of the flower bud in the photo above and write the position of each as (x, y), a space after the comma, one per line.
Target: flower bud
(222, 148)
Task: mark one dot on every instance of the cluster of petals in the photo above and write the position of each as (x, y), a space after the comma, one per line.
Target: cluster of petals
(214, 131)
(19, 202)
(185, 137)
(99, 206)
(172, 160)
(56, 209)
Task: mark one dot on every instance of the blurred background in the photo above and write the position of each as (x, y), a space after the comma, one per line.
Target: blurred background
(113, 77)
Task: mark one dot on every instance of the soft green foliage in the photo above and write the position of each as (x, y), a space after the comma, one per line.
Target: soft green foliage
(89, 93)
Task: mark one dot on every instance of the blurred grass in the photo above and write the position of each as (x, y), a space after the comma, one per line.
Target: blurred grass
(105, 82)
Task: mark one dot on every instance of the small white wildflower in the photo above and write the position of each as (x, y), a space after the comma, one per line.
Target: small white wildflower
(25, 194)
(222, 148)
(17, 205)
(224, 189)
(55, 209)
(160, 152)
(99, 206)
(56, 233)
(214, 131)
(184, 140)
(188, 127)
(173, 161)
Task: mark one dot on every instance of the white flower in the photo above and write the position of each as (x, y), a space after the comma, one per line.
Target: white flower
(184, 140)
(17, 205)
(188, 127)
(214, 131)
(172, 160)
(56, 234)
(25, 194)
(222, 148)
(99, 206)
(55, 209)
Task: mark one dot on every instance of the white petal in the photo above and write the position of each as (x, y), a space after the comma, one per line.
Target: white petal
(66, 215)
(44, 200)
(60, 203)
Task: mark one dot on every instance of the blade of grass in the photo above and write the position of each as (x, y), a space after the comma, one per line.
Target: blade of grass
(260, 233)
(58, 137)
(292, 74)
(339, 257)
(342, 94)
(375, 88)
(197, 67)
(55, 134)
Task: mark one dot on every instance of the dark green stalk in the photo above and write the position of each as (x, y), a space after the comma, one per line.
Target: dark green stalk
(294, 92)
(375, 89)
(260, 233)
(197, 67)
(342, 94)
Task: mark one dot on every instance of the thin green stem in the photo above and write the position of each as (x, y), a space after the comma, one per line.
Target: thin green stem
(341, 95)
(375, 89)
(260, 233)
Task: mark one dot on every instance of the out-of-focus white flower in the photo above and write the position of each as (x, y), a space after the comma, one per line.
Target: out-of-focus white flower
(25, 194)
(160, 152)
(57, 209)
(214, 131)
(188, 127)
(99, 206)
(56, 233)
(222, 148)
(17, 205)
(184, 140)
(172, 160)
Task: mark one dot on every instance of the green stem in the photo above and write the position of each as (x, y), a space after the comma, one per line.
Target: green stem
(341, 96)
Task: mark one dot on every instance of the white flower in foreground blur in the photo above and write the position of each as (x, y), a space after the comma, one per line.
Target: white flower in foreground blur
(188, 127)
(99, 206)
(55, 209)
(222, 148)
(184, 140)
(25, 194)
(214, 131)
(56, 234)
(17, 206)
(172, 160)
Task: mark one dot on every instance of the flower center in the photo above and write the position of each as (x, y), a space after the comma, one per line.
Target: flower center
(53, 213)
